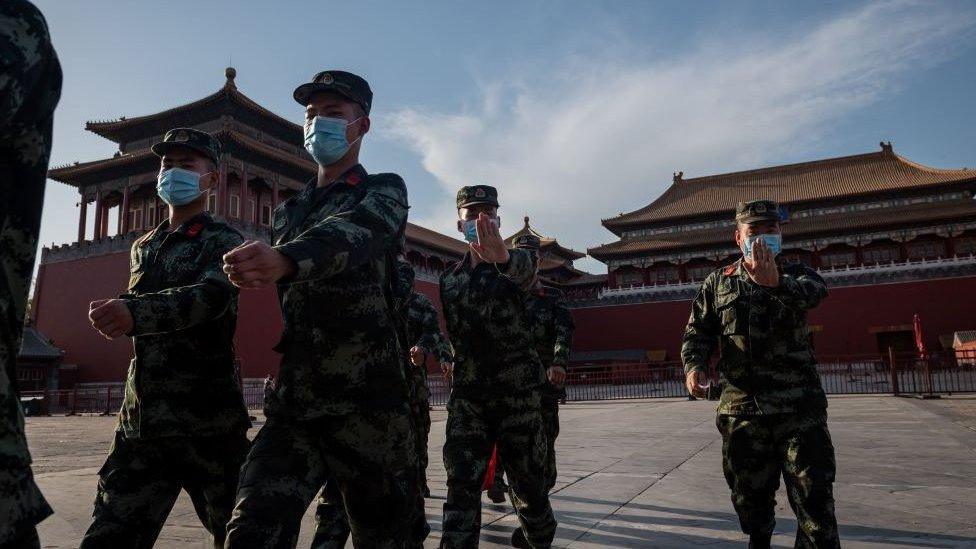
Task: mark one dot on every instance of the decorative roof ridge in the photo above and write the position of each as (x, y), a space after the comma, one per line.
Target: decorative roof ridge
(886, 154)
(62, 170)
(229, 91)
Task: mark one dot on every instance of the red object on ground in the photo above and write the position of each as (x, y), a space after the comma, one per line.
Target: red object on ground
(919, 340)
(490, 471)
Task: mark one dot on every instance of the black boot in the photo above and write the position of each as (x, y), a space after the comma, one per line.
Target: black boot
(759, 541)
(518, 539)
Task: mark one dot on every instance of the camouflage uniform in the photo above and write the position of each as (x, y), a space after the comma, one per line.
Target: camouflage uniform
(552, 328)
(183, 422)
(340, 407)
(496, 396)
(30, 86)
(772, 411)
(423, 330)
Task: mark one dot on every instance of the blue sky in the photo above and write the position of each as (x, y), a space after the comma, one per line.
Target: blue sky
(575, 110)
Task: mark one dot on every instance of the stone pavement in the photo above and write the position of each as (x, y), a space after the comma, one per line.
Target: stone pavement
(642, 474)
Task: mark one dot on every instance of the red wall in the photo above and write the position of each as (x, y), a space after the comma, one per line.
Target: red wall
(65, 289)
(846, 317)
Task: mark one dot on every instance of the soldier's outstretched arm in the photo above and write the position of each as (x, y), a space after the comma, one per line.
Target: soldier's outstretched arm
(186, 306)
(800, 287)
(349, 239)
(564, 333)
(701, 332)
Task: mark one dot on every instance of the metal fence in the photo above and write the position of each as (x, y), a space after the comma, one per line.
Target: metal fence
(897, 374)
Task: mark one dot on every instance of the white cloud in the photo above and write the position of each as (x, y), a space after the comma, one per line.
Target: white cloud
(579, 142)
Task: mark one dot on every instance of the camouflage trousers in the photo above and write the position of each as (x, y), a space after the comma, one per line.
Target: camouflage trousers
(474, 426)
(756, 450)
(371, 457)
(331, 522)
(141, 479)
(30, 85)
(550, 422)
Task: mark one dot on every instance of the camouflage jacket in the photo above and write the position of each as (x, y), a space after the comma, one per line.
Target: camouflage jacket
(30, 87)
(485, 311)
(424, 331)
(340, 343)
(552, 326)
(30, 80)
(766, 361)
(182, 380)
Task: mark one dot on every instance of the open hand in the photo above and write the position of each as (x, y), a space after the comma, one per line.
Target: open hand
(761, 266)
(111, 317)
(490, 246)
(255, 264)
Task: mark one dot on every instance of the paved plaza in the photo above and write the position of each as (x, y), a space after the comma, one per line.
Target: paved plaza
(641, 474)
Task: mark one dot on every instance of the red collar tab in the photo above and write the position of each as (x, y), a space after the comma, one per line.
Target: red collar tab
(194, 230)
(730, 270)
(353, 179)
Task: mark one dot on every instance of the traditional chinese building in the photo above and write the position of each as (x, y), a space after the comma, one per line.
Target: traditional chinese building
(263, 162)
(557, 260)
(891, 237)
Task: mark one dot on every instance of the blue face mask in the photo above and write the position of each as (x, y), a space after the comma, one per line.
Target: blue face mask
(471, 228)
(773, 241)
(178, 187)
(325, 139)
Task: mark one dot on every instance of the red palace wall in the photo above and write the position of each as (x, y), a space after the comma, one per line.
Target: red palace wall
(64, 290)
(845, 319)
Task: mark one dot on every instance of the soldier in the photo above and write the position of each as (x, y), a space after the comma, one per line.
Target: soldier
(552, 328)
(772, 412)
(340, 408)
(183, 422)
(497, 379)
(30, 86)
(425, 338)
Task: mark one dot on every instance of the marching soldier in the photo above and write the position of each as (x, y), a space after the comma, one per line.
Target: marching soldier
(497, 379)
(183, 422)
(552, 328)
(772, 412)
(340, 408)
(30, 86)
(425, 338)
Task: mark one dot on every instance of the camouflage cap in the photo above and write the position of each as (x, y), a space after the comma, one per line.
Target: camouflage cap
(756, 211)
(347, 84)
(477, 194)
(204, 143)
(528, 241)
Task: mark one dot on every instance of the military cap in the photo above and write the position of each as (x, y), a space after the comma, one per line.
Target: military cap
(528, 241)
(477, 194)
(757, 211)
(344, 83)
(202, 142)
